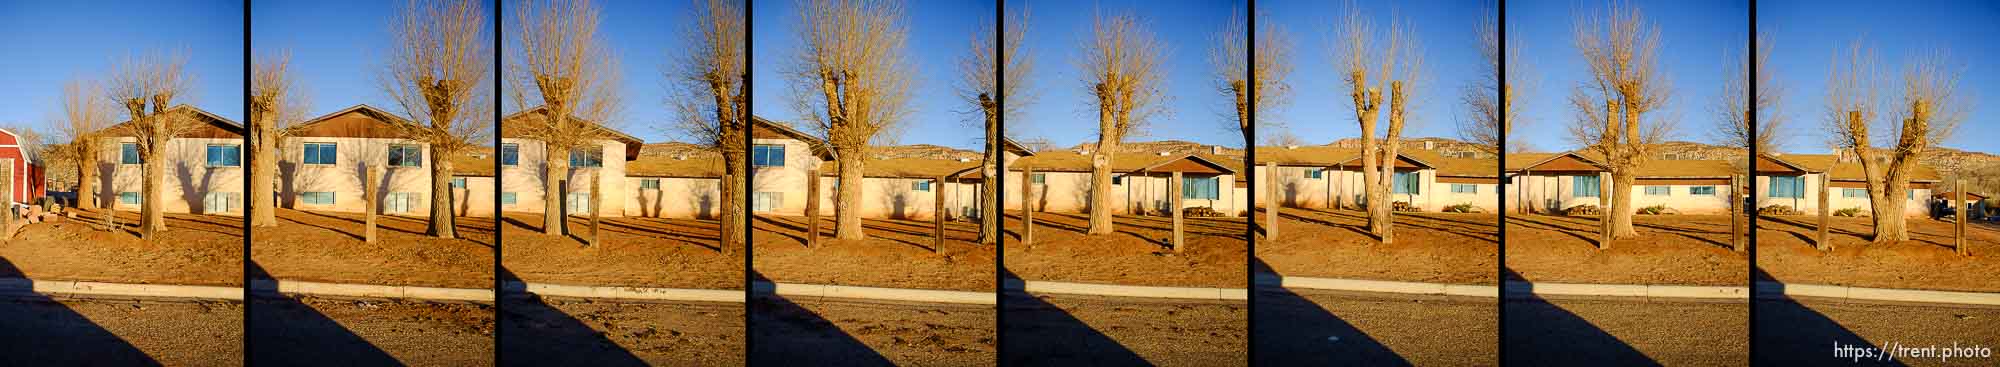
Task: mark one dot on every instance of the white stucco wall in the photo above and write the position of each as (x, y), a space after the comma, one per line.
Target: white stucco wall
(187, 180)
(525, 178)
(1808, 202)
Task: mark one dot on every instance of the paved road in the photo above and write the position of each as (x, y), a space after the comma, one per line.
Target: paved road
(1803, 332)
(1300, 327)
(828, 332)
(58, 331)
(581, 332)
(1066, 330)
(1627, 331)
(369, 332)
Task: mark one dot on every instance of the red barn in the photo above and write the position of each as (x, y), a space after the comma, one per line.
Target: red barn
(26, 181)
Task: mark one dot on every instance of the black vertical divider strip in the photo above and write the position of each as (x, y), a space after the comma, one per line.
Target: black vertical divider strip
(1750, 184)
(1500, 279)
(999, 176)
(1250, 172)
(248, 211)
(749, 230)
(499, 222)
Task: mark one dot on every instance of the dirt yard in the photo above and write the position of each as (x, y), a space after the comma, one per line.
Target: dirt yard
(897, 254)
(1138, 253)
(1785, 253)
(329, 247)
(637, 252)
(1430, 247)
(195, 249)
(1670, 249)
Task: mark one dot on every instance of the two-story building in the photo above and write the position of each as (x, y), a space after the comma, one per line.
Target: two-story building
(524, 169)
(204, 167)
(324, 161)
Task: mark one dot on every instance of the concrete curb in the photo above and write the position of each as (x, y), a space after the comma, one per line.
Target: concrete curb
(1516, 290)
(1776, 290)
(1113, 290)
(24, 286)
(519, 289)
(873, 293)
(1380, 286)
(371, 290)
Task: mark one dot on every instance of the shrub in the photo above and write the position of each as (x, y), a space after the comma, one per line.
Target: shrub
(1462, 208)
(1655, 210)
(1849, 212)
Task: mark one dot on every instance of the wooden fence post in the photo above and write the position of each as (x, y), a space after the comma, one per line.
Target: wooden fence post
(938, 213)
(1604, 211)
(1958, 218)
(812, 208)
(1174, 188)
(369, 192)
(1825, 212)
(1736, 211)
(596, 186)
(1028, 206)
(1271, 209)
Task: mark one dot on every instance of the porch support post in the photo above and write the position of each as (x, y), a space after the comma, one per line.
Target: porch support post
(1028, 205)
(812, 207)
(937, 214)
(1271, 209)
(1825, 213)
(1958, 218)
(1174, 194)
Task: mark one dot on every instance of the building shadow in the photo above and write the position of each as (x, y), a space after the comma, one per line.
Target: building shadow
(1041, 334)
(36, 330)
(539, 334)
(1292, 330)
(790, 334)
(1791, 334)
(287, 332)
(1540, 333)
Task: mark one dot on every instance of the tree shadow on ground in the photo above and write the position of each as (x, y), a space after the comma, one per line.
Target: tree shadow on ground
(790, 334)
(37, 330)
(1791, 334)
(1540, 333)
(539, 334)
(287, 332)
(1041, 334)
(1292, 330)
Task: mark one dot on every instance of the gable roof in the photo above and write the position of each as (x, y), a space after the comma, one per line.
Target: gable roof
(1329, 156)
(215, 127)
(632, 144)
(1776, 163)
(1529, 161)
(905, 168)
(1852, 171)
(1071, 161)
(1009, 145)
(373, 123)
(767, 129)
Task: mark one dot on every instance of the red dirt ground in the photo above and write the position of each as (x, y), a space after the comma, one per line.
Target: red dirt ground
(897, 254)
(328, 247)
(1785, 253)
(1670, 249)
(195, 249)
(636, 252)
(1430, 247)
(1138, 253)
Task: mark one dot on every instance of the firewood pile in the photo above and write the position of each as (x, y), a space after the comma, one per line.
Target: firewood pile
(1582, 210)
(1777, 210)
(1200, 212)
(1404, 206)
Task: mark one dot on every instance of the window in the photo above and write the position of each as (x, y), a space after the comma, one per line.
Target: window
(507, 198)
(1787, 187)
(225, 155)
(1117, 180)
(321, 153)
(1701, 190)
(221, 202)
(1583, 186)
(317, 198)
(128, 197)
(406, 156)
(510, 154)
(1200, 188)
(1314, 173)
(458, 182)
(1911, 193)
(128, 153)
(767, 201)
(649, 184)
(767, 155)
(1039, 178)
(924, 185)
(400, 202)
(1464, 189)
(1656, 190)
(1406, 183)
(577, 203)
(1854, 193)
(586, 157)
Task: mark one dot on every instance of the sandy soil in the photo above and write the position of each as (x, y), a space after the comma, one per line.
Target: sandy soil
(1138, 253)
(897, 254)
(1670, 249)
(195, 249)
(313, 331)
(328, 247)
(1069, 330)
(831, 332)
(582, 332)
(638, 252)
(1430, 247)
(1785, 253)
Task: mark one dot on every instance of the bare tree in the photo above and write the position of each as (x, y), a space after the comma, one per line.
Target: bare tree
(1121, 70)
(705, 89)
(276, 106)
(146, 87)
(438, 62)
(1397, 64)
(1231, 56)
(1494, 94)
(1929, 110)
(1621, 50)
(85, 115)
(1737, 127)
(560, 63)
(853, 59)
(979, 87)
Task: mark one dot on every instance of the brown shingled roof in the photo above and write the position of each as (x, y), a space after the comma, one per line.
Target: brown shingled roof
(477, 162)
(1071, 161)
(1849, 171)
(904, 168)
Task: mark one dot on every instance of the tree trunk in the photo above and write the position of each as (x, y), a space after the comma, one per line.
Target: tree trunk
(847, 199)
(734, 186)
(1890, 224)
(555, 171)
(153, 220)
(1604, 232)
(263, 172)
(1028, 206)
(989, 183)
(86, 175)
(1100, 170)
(1384, 216)
(442, 223)
(1621, 204)
(1271, 208)
(1819, 237)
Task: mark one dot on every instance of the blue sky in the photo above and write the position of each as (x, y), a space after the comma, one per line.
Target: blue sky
(1808, 33)
(1697, 41)
(337, 61)
(49, 42)
(1320, 112)
(1064, 113)
(640, 35)
(939, 32)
